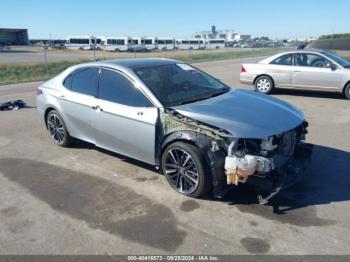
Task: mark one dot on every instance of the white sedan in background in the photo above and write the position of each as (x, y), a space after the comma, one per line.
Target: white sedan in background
(308, 69)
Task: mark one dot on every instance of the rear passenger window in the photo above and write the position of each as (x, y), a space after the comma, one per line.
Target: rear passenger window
(283, 60)
(115, 87)
(67, 83)
(85, 81)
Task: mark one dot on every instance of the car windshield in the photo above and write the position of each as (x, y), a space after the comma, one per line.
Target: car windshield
(178, 84)
(341, 61)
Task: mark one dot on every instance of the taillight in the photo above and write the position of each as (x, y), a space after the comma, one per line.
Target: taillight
(243, 69)
(38, 91)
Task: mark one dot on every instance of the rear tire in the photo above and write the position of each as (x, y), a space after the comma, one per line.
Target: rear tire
(185, 168)
(347, 91)
(57, 129)
(264, 84)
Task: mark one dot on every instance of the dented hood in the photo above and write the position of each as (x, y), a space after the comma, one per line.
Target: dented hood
(245, 114)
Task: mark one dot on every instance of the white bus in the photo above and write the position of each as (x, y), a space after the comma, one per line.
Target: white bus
(215, 43)
(136, 44)
(116, 44)
(150, 43)
(98, 42)
(165, 43)
(80, 42)
(190, 44)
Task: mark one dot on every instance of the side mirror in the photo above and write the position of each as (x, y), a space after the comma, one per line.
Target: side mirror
(332, 66)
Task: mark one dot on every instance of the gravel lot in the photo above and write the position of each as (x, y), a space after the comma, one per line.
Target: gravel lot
(83, 200)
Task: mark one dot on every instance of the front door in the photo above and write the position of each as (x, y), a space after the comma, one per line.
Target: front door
(125, 120)
(312, 71)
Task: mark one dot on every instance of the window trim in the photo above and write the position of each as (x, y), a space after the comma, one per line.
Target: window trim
(292, 60)
(75, 71)
(315, 54)
(132, 82)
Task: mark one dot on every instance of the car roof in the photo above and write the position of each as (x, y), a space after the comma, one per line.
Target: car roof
(138, 62)
(306, 50)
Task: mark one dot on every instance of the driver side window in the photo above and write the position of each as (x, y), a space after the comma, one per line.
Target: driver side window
(310, 60)
(116, 88)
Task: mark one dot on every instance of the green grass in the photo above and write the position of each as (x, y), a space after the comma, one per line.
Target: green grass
(26, 72)
(194, 58)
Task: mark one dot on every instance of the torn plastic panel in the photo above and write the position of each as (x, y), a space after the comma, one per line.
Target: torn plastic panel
(233, 160)
(275, 162)
(210, 140)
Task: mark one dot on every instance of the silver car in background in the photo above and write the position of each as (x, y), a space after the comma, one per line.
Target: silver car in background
(202, 135)
(308, 69)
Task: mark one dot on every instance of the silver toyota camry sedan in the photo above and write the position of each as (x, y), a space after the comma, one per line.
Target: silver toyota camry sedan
(203, 136)
(308, 69)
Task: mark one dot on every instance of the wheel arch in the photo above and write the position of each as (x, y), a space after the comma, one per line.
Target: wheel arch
(47, 111)
(215, 160)
(256, 78)
(346, 84)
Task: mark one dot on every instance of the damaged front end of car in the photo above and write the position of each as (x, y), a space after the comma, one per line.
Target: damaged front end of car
(270, 164)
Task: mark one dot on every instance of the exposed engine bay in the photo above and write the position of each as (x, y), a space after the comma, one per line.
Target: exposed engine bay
(259, 157)
(268, 164)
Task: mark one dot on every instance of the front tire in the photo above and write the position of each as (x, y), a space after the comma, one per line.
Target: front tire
(184, 166)
(264, 84)
(57, 129)
(347, 91)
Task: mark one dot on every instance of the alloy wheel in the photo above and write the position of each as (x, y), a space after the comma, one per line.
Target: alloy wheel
(181, 171)
(56, 129)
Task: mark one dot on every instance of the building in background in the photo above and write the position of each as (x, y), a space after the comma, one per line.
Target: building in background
(242, 37)
(12, 36)
(230, 36)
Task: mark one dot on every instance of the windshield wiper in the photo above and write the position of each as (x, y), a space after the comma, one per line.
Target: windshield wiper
(191, 100)
(219, 93)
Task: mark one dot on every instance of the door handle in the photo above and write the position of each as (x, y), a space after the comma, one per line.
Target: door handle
(140, 113)
(296, 71)
(97, 108)
(63, 97)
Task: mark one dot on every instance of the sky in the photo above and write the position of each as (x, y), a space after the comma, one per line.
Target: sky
(176, 18)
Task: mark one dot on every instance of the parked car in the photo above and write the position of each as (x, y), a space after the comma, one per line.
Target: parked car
(299, 69)
(202, 135)
(301, 46)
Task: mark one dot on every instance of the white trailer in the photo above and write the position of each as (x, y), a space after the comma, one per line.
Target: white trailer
(215, 43)
(116, 44)
(166, 43)
(80, 42)
(190, 44)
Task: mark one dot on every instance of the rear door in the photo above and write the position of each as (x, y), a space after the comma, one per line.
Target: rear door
(79, 101)
(280, 70)
(125, 118)
(311, 71)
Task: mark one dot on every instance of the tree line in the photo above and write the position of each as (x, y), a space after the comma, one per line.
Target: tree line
(335, 36)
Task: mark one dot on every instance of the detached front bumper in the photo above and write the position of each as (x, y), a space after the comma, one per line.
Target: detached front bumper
(282, 178)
